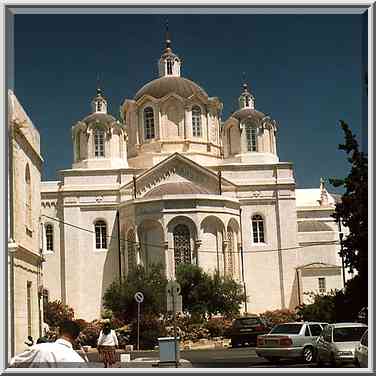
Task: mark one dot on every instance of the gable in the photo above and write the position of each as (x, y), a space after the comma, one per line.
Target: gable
(176, 171)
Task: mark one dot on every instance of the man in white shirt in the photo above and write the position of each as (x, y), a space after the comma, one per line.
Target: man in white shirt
(55, 354)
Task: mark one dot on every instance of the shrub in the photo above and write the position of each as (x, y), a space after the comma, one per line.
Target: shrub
(150, 329)
(82, 324)
(89, 336)
(279, 316)
(56, 312)
(218, 326)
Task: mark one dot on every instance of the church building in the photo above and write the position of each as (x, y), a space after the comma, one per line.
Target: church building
(170, 182)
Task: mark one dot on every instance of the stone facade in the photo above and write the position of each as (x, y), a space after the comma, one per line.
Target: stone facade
(24, 257)
(170, 183)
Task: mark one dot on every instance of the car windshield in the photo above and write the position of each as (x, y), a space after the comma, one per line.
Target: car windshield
(247, 321)
(348, 334)
(287, 329)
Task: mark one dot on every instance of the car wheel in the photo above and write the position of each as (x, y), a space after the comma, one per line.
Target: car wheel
(308, 354)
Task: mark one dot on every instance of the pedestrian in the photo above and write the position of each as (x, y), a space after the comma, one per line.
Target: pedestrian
(107, 344)
(54, 354)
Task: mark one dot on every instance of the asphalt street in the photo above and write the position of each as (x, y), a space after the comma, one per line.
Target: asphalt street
(244, 357)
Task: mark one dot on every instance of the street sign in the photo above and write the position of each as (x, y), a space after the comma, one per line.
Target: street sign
(139, 297)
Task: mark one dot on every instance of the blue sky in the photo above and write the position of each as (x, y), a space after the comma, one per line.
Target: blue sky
(304, 70)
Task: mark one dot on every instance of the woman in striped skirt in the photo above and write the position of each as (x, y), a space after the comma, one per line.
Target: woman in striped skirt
(107, 344)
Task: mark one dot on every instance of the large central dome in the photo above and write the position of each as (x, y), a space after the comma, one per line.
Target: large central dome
(162, 86)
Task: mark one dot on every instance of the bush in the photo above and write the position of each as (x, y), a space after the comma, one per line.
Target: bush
(279, 316)
(89, 336)
(151, 328)
(56, 312)
(82, 324)
(218, 326)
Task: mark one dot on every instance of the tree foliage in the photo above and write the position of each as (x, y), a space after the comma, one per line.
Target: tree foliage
(208, 294)
(55, 312)
(353, 209)
(119, 297)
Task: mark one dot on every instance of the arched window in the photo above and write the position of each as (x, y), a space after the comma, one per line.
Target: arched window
(169, 66)
(251, 132)
(131, 247)
(182, 245)
(99, 142)
(258, 229)
(49, 237)
(78, 145)
(229, 254)
(28, 208)
(196, 121)
(149, 123)
(99, 106)
(100, 235)
(247, 101)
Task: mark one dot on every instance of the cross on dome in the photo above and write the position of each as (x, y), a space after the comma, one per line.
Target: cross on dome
(246, 99)
(99, 103)
(169, 63)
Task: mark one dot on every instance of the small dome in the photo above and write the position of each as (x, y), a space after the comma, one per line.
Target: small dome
(104, 119)
(162, 86)
(246, 113)
(178, 188)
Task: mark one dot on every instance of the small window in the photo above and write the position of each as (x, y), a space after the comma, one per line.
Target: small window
(78, 145)
(322, 285)
(196, 121)
(258, 229)
(99, 106)
(149, 123)
(28, 197)
(251, 133)
(100, 235)
(99, 142)
(29, 308)
(315, 330)
(49, 237)
(247, 101)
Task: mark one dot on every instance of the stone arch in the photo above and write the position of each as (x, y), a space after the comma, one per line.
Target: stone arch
(213, 233)
(182, 232)
(232, 252)
(151, 239)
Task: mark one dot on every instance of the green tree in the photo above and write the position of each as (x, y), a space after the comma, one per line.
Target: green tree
(208, 294)
(55, 312)
(195, 288)
(352, 211)
(226, 297)
(119, 297)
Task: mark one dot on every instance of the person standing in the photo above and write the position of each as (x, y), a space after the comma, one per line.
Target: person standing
(54, 354)
(107, 344)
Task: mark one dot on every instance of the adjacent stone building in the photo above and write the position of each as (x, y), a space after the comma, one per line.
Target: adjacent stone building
(24, 251)
(169, 182)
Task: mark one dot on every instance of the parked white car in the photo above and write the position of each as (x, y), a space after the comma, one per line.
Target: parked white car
(291, 340)
(361, 351)
(337, 343)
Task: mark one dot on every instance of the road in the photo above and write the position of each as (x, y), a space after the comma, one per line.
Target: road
(244, 357)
